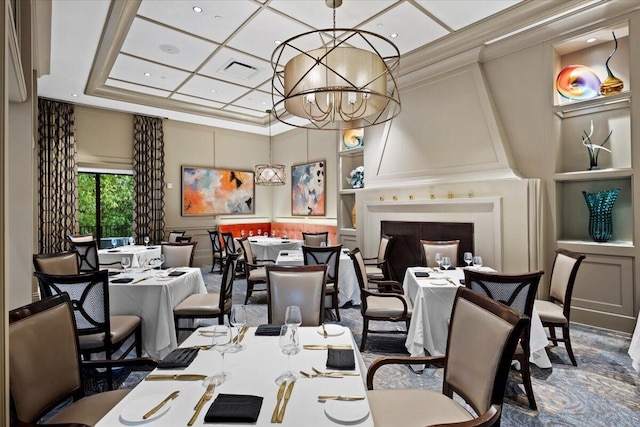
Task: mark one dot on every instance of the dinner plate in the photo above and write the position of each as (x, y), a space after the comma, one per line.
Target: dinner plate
(332, 330)
(133, 412)
(439, 282)
(346, 411)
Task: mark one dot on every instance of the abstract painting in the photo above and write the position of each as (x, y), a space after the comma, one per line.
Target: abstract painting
(308, 189)
(210, 191)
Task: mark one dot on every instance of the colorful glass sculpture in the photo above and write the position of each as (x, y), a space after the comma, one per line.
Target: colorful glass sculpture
(578, 82)
(611, 84)
(353, 138)
(600, 209)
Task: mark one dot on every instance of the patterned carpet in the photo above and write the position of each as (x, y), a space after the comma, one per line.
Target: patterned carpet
(603, 390)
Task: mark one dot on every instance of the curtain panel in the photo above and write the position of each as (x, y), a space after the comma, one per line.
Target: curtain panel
(57, 175)
(148, 176)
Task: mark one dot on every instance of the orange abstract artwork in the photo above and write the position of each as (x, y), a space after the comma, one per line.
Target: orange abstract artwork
(207, 191)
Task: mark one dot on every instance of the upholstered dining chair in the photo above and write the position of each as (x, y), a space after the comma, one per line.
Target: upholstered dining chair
(383, 302)
(555, 312)
(219, 252)
(476, 367)
(45, 367)
(207, 306)
(446, 247)
(98, 331)
(230, 248)
(178, 254)
(316, 239)
(173, 236)
(301, 285)
(59, 263)
(88, 255)
(378, 267)
(77, 238)
(254, 268)
(183, 239)
(517, 291)
(329, 255)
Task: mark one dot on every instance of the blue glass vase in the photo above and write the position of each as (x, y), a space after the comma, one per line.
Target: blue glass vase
(600, 207)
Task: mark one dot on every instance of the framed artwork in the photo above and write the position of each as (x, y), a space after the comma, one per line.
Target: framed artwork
(211, 191)
(308, 189)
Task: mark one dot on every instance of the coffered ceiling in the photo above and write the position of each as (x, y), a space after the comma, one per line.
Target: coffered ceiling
(209, 61)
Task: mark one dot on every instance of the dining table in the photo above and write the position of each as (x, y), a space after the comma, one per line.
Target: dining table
(634, 348)
(152, 295)
(264, 247)
(432, 298)
(253, 372)
(139, 254)
(348, 287)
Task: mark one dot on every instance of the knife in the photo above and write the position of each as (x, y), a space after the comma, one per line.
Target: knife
(287, 395)
(345, 398)
(243, 333)
(274, 416)
(138, 280)
(160, 405)
(341, 373)
(326, 347)
(177, 377)
(324, 331)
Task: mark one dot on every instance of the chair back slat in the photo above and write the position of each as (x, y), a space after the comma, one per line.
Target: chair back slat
(329, 255)
(88, 254)
(226, 286)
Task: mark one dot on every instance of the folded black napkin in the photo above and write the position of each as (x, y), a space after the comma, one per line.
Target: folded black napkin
(234, 408)
(421, 274)
(285, 241)
(123, 280)
(176, 273)
(253, 241)
(268, 330)
(113, 250)
(284, 253)
(113, 273)
(338, 358)
(462, 282)
(178, 358)
(450, 268)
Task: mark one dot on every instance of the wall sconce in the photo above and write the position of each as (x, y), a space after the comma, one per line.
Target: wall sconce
(450, 195)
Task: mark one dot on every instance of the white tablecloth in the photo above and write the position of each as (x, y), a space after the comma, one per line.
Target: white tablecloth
(139, 254)
(634, 349)
(348, 288)
(253, 372)
(153, 300)
(269, 247)
(432, 304)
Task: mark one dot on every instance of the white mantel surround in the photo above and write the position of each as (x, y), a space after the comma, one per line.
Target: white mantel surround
(484, 212)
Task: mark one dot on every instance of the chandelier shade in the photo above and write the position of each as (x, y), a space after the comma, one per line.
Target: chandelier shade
(271, 173)
(346, 83)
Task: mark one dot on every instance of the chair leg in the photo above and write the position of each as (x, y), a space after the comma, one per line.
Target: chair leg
(139, 341)
(552, 334)
(567, 344)
(249, 291)
(336, 305)
(365, 329)
(526, 380)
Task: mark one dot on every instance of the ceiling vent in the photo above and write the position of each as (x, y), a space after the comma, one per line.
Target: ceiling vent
(239, 69)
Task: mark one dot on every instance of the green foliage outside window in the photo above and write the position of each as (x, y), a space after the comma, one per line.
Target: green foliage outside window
(116, 204)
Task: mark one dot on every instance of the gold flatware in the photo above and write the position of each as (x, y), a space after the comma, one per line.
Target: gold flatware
(207, 397)
(274, 416)
(161, 404)
(324, 331)
(210, 333)
(326, 374)
(138, 280)
(177, 377)
(210, 389)
(287, 395)
(326, 347)
(243, 332)
(307, 374)
(201, 347)
(452, 282)
(346, 398)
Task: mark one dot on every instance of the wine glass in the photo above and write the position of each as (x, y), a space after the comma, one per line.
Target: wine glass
(221, 343)
(273, 233)
(477, 262)
(132, 241)
(242, 233)
(159, 261)
(290, 345)
(125, 262)
(438, 259)
(250, 233)
(238, 318)
(259, 231)
(446, 262)
(284, 235)
(146, 240)
(114, 242)
(293, 316)
(468, 258)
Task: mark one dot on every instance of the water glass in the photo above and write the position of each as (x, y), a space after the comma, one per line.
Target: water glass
(146, 240)
(477, 261)
(446, 262)
(125, 262)
(250, 233)
(132, 241)
(259, 231)
(438, 259)
(222, 344)
(468, 258)
(293, 316)
(238, 318)
(273, 233)
(290, 345)
(242, 233)
(114, 242)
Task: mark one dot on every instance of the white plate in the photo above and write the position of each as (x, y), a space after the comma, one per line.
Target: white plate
(133, 412)
(346, 412)
(439, 282)
(332, 330)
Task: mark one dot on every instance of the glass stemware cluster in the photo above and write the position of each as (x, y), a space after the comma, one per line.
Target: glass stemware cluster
(290, 341)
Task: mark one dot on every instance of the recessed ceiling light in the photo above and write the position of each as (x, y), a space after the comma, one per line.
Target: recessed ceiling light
(147, 74)
(213, 90)
(197, 9)
(170, 49)
(394, 35)
(217, 17)
(591, 40)
(277, 41)
(75, 95)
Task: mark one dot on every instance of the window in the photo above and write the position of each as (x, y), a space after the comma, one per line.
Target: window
(105, 205)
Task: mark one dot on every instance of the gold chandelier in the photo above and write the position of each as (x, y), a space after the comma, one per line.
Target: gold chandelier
(349, 82)
(269, 174)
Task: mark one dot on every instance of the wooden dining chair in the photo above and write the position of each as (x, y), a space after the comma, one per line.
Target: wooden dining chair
(378, 267)
(88, 255)
(76, 238)
(555, 312)
(316, 239)
(329, 255)
(254, 268)
(178, 254)
(301, 285)
(45, 367)
(59, 263)
(517, 291)
(446, 247)
(218, 251)
(483, 335)
(173, 236)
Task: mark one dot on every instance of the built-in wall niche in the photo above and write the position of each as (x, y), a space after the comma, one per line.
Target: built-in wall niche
(573, 214)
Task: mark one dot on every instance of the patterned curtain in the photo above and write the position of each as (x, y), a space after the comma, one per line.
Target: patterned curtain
(57, 175)
(148, 176)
